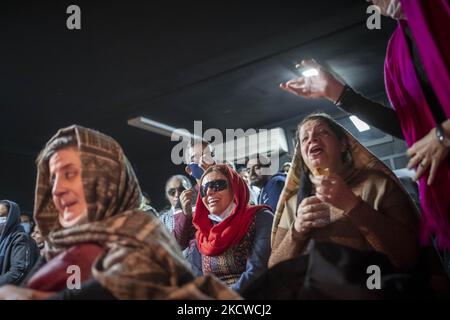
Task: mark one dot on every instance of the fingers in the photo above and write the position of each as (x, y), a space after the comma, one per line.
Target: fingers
(318, 215)
(420, 162)
(186, 203)
(324, 181)
(412, 151)
(307, 205)
(290, 90)
(418, 146)
(186, 200)
(314, 220)
(414, 161)
(325, 187)
(314, 207)
(432, 174)
(421, 168)
(293, 83)
(295, 86)
(325, 192)
(306, 226)
(296, 83)
(187, 193)
(310, 200)
(322, 197)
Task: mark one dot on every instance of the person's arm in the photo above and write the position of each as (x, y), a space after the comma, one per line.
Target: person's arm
(20, 261)
(38, 264)
(183, 230)
(273, 193)
(260, 252)
(292, 239)
(288, 244)
(373, 113)
(195, 259)
(392, 227)
(327, 86)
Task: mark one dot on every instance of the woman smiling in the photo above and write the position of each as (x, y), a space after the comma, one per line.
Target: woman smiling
(233, 237)
(87, 209)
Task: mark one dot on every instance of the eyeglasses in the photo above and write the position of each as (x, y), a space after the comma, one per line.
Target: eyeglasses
(216, 185)
(173, 191)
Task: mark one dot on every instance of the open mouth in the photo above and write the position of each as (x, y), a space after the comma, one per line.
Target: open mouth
(68, 205)
(315, 151)
(212, 201)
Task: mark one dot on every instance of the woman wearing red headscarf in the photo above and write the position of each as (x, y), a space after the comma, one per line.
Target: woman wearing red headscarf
(233, 237)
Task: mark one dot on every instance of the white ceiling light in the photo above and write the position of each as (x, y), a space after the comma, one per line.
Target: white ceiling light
(359, 124)
(159, 128)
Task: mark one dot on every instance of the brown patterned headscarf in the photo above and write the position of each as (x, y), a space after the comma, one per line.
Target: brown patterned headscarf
(361, 157)
(141, 260)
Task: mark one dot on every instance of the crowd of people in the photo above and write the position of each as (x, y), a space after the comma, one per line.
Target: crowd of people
(309, 231)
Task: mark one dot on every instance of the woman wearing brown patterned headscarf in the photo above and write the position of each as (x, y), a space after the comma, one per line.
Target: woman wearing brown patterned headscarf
(337, 191)
(97, 241)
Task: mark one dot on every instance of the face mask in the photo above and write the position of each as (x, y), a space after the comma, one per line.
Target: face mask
(195, 170)
(26, 226)
(2, 224)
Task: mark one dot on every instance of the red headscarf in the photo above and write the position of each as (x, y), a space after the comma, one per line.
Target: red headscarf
(213, 239)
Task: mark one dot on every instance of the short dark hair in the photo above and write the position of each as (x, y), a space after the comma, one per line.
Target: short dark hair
(56, 145)
(204, 144)
(259, 156)
(194, 142)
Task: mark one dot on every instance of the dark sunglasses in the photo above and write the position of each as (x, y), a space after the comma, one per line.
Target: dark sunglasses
(172, 191)
(216, 185)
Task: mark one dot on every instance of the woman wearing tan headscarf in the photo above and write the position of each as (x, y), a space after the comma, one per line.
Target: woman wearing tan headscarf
(86, 207)
(337, 191)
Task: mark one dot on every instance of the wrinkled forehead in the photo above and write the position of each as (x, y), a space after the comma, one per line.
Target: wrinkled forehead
(310, 125)
(64, 157)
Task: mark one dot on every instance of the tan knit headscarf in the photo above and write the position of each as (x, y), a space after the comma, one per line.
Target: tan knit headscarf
(362, 159)
(141, 260)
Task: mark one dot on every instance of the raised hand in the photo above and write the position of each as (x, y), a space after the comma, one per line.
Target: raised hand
(186, 201)
(322, 85)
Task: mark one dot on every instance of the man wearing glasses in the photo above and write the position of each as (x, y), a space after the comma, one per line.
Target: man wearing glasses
(179, 193)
